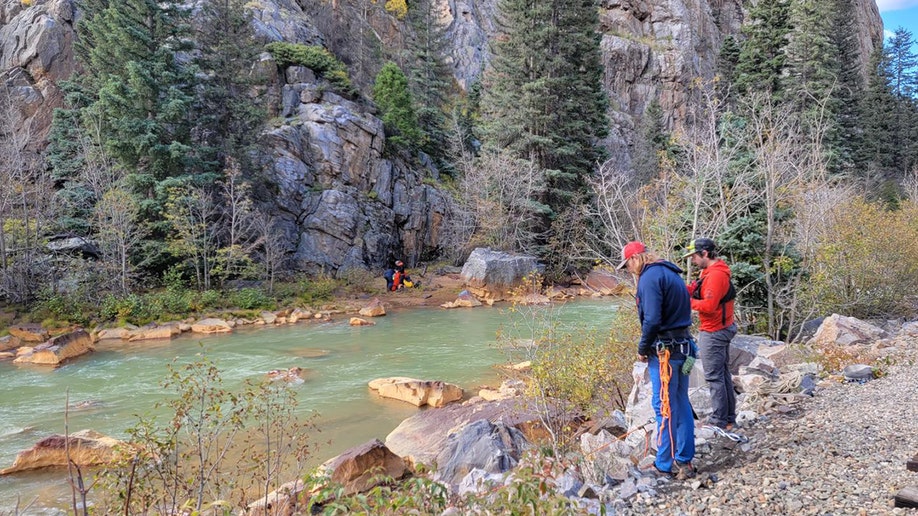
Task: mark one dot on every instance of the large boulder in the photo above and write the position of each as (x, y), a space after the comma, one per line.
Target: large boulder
(603, 282)
(374, 309)
(86, 448)
(744, 348)
(839, 330)
(434, 393)
(421, 438)
(58, 349)
(496, 271)
(490, 447)
(358, 468)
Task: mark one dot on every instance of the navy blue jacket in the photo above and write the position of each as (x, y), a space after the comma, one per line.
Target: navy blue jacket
(663, 303)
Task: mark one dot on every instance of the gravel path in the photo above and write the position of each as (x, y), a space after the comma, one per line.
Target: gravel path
(843, 451)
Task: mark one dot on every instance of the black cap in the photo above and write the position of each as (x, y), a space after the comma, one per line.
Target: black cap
(698, 245)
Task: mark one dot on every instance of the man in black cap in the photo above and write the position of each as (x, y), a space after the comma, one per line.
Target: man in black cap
(712, 297)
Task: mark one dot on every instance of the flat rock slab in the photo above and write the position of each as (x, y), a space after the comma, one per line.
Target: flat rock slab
(87, 448)
(58, 349)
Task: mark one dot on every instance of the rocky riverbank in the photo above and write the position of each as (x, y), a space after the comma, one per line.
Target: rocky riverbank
(843, 451)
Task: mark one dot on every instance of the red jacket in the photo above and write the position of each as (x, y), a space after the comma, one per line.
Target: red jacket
(715, 283)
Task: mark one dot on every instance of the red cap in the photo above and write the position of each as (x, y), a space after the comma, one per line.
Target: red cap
(628, 252)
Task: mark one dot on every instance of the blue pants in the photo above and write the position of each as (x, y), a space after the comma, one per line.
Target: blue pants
(681, 425)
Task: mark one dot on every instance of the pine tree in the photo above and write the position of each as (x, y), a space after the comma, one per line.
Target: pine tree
(429, 77)
(394, 100)
(543, 98)
(849, 88)
(727, 60)
(877, 115)
(141, 93)
(762, 56)
(230, 114)
(903, 75)
(811, 72)
(652, 140)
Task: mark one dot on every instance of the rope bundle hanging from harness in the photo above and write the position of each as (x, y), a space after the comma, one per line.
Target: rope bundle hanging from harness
(666, 374)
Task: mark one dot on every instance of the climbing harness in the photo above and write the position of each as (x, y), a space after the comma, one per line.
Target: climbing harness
(729, 435)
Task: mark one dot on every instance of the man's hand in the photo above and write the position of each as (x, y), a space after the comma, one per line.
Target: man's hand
(642, 358)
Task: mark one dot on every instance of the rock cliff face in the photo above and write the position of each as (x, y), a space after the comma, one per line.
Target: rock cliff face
(35, 54)
(342, 201)
(651, 49)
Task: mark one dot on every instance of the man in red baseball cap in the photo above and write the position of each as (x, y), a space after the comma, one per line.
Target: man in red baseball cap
(665, 313)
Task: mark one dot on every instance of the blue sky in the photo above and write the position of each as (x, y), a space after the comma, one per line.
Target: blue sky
(899, 13)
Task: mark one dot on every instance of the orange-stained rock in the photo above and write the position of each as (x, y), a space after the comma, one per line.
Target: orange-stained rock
(29, 332)
(357, 321)
(374, 309)
(58, 349)
(87, 448)
(360, 468)
(434, 393)
(211, 325)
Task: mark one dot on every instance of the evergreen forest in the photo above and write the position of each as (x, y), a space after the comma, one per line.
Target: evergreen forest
(798, 161)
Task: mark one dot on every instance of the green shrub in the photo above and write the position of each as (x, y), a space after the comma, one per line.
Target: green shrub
(172, 301)
(251, 299)
(313, 57)
(130, 308)
(62, 307)
(317, 290)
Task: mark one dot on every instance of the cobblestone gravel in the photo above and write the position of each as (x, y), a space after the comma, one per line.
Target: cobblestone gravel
(842, 451)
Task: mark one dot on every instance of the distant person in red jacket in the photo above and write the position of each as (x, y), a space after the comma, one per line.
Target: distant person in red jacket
(396, 278)
(713, 297)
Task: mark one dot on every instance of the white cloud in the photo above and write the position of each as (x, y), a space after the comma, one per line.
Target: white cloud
(888, 34)
(895, 5)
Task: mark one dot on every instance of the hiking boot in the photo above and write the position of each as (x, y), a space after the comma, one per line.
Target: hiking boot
(683, 470)
(653, 471)
(723, 426)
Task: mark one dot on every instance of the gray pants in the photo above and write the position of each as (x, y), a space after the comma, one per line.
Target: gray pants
(715, 357)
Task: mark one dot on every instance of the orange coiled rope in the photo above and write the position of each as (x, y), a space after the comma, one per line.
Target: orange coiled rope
(666, 373)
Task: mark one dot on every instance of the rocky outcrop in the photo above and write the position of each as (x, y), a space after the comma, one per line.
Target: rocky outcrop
(422, 437)
(36, 41)
(58, 349)
(340, 202)
(490, 447)
(86, 448)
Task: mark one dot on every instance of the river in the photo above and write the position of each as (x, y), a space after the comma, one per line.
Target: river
(120, 380)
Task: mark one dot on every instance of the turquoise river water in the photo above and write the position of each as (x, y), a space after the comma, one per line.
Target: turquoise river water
(121, 380)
